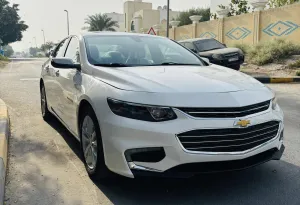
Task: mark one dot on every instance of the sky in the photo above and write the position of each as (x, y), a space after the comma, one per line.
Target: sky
(49, 15)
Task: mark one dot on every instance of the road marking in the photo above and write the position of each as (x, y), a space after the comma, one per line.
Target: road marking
(29, 79)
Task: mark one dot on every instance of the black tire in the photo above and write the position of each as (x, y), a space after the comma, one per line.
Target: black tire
(236, 67)
(100, 172)
(46, 114)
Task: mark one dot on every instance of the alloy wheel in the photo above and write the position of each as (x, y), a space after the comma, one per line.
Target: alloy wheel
(43, 101)
(89, 142)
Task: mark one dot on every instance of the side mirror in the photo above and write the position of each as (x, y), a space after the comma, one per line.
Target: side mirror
(224, 44)
(206, 60)
(65, 63)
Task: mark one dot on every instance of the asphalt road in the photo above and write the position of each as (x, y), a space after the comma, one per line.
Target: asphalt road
(45, 165)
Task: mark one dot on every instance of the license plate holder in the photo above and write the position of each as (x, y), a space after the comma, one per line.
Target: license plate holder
(233, 59)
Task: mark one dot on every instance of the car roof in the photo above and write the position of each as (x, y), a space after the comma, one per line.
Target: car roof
(193, 40)
(111, 33)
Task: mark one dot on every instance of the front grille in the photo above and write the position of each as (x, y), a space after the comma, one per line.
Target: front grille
(229, 112)
(230, 139)
(231, 55)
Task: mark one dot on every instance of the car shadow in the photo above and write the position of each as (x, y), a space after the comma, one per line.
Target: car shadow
(276, 182)
(72, 142)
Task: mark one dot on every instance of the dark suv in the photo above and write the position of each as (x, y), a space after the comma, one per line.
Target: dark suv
(216, 52)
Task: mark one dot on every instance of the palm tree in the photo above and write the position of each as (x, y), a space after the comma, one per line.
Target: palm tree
(100, 22)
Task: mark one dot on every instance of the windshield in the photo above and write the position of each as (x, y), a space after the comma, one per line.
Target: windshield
(208, 44)
(131, 50)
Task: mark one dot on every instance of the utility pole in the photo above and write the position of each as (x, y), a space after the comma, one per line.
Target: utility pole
(168, 18)
(44, 36)
(68, 26)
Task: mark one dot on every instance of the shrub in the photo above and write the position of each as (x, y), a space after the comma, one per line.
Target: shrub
(298, 73)
(272, 51)
(3, 58)
(296, 64)
(245, 48)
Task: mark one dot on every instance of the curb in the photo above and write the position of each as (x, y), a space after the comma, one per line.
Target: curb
(278, 79)
(4, 133)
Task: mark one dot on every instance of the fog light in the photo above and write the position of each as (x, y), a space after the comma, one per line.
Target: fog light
(154, 154)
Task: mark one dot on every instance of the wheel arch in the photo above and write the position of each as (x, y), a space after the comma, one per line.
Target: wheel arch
(41, 83)
(84, 102)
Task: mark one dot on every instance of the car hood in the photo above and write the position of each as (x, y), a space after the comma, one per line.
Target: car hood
(219, 51)
(187, 79)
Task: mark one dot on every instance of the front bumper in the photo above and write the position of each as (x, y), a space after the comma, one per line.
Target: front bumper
(121, 134)
(191, 169)
(234, 65)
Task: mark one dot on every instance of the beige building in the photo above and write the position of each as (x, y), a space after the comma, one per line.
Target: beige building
(119, 18)
(140, 17)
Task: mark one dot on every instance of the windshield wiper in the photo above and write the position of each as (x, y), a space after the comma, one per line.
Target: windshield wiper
(173, 63)
(111, 65)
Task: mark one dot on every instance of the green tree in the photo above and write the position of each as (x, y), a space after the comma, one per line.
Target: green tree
(8, 51)
(100, 22)
(278, 3)
(236, 7)
(11, 25)
(47, 46)
(184, 17)
(34, 51)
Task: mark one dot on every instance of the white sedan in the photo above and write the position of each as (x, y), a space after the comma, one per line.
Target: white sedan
(145, 105)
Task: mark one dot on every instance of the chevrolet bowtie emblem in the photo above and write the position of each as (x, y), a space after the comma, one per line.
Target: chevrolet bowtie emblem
(243, 123)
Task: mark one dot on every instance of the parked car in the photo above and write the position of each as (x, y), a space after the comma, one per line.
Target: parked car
(216, 52)
(145, 105)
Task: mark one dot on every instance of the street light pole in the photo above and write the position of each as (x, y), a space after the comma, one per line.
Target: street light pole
(68, 21)
(44, 36)
(168, 18)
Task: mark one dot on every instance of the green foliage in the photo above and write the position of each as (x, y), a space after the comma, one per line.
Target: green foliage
(184, 17)
(11, 25)
(34, 51)
(236, 7)
(3, 58)
(39, 55)
(100, 22)
(8, 51)
(272, 51)
(245, 48)
(47, 46)
(298, 73)
(279, 3)
(296, 64)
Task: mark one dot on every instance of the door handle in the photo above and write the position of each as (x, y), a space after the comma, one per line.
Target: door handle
(57, 73)
(47, 69)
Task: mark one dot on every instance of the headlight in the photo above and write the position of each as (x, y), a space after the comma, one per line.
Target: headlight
(141, 112)
(274, 103)
(241, 53)
(217, 56)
